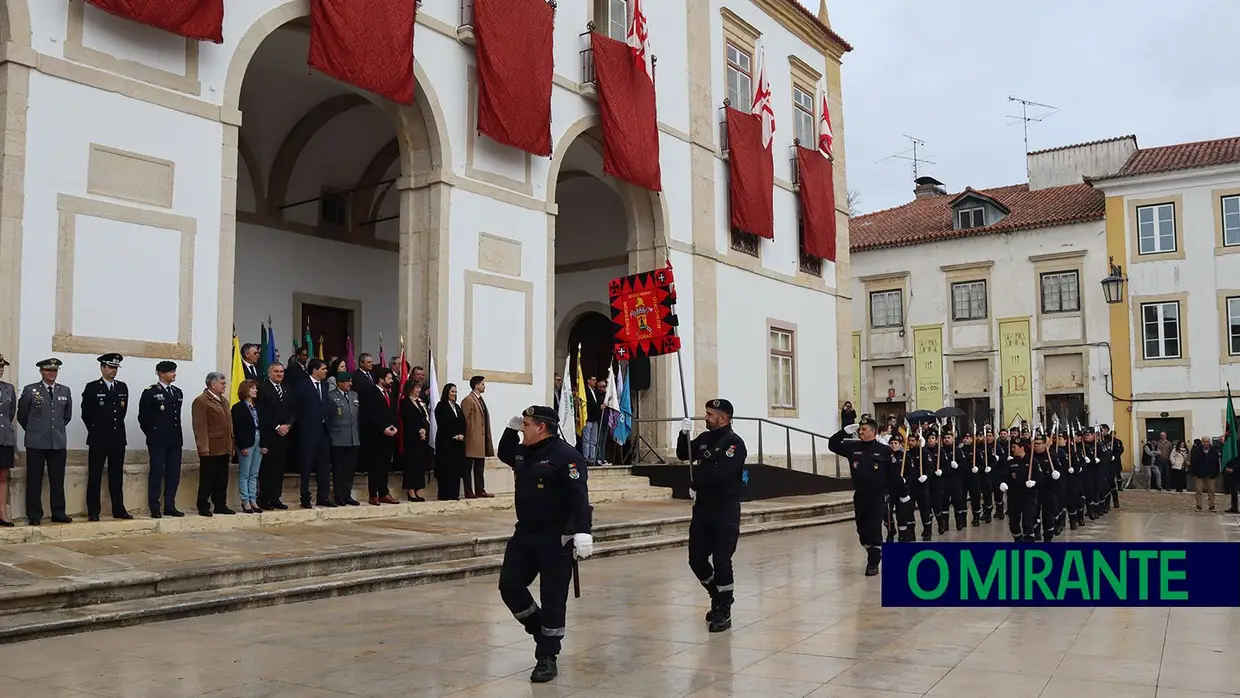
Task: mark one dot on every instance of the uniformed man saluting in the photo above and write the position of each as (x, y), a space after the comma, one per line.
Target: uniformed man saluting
(105, 403)
(43, 410)
(715, 486)
(876, 482)
(553, 509)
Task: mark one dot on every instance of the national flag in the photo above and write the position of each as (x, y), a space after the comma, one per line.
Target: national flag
(568, 412)
(263, 347)
(434, 399)
(308, 342)
(1231, 449)
(238, 370)
(580, 395)
(400, 392)
(349, 361)
(273, 356)
(763, 100)
(382, 361)
(826, 136)
(638, 37)
(624, 426)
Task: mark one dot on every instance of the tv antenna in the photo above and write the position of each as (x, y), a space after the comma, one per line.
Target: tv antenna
(1026, 119)
(911, 155)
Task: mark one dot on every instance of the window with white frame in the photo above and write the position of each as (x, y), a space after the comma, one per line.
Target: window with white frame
(781, 379)
(969, 301)
(740, 78)
(616, 23)
(1156, 229)
(1233, 326)
(1160, 329)
(971, 218)
(803, 110)
(886, 309)
(1061, 292)
(1231, 220)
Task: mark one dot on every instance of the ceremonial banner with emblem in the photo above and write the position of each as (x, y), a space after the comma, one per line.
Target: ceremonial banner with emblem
(201, 20)
(368, 45)
(1014, 369)
(817, 185)
(516, 64)
(751, 185)
(641, 314)
(928, 365)
(627, 105)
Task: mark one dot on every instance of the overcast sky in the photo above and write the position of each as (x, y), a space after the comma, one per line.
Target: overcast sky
(1165, 70)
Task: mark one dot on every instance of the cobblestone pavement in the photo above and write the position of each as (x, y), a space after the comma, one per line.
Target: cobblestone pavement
(807, 623)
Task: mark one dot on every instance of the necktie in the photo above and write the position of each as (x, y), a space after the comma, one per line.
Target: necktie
(279, 391)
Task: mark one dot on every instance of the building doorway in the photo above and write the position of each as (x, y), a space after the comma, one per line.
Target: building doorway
(889, 410)
(977, 414)
(1070, 410)
(593, 332)
(1173, 426)
(329, 327)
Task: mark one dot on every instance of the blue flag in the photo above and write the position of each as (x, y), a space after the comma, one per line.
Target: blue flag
(624, 426)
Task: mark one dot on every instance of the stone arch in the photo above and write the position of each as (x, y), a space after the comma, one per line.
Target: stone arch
(565, 326)
(246, 158)
(367, 207)
(15, 22)
(296, 141)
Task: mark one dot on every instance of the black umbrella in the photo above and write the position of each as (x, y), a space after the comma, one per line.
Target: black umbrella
(949, 412)
(920, 416)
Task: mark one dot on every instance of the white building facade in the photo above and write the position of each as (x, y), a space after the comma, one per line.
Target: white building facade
(158, 192)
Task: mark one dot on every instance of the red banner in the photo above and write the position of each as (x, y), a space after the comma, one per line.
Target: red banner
(515, 67)
(627, 104)
(368, 45)
(641, 314)
(201, 20)
(817, 203)
(751, 186)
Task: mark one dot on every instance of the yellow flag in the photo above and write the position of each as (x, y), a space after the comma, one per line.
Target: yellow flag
(238, 371)
(319, 348)
(580, 395)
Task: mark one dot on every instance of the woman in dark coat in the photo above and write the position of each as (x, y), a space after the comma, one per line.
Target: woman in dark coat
(415, 426)
(449, 444)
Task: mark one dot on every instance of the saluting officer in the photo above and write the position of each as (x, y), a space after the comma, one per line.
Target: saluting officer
(105, 403)
(43, 410)
(876, 483)
(159, 415)
(553, 509)
(715, 486)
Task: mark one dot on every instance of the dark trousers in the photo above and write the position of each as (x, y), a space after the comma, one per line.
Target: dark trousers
(1023, 512)
(1048, 509)
(448, 475)
(164, 477)
(539, 554)
(53, 461)
(1117, 481)
(271, 470)
(114, 457)
(953, 496)
(870, 511)
(377, 452)
(316, 459)
(713, 533)
(920, 494)
(1074, 498)
(996, 477)
(344, 465)
(477, 485)
(213, 482)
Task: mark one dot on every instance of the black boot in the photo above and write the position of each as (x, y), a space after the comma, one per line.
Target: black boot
(999, 511)
(723, 619)
(873, 557)
(714, 602)
(986, 517)
(942, 519)
(544, 671)
(1072, 522)
(962, 521)
(925, 531)
(977, 519)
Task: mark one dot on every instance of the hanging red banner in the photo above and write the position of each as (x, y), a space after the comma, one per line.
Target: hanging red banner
(641, 314)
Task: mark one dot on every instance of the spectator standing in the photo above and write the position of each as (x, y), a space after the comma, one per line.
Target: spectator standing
(249, 443)
(1177, 479)
(847, 414)
(478, 442)
(43, 410)
(213, 436)
(159, 415)
(378, 434)
(415, 425)
(344, 432)
(275, 422)
(449, 444)
(1206, 465)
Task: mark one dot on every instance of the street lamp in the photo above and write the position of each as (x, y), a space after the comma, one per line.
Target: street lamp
(1113, 285)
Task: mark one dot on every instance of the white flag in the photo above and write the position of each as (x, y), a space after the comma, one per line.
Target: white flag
(434, 400)
(826, 137)
(612, 399)
(763, 101)
(638, 37)
(568, 413)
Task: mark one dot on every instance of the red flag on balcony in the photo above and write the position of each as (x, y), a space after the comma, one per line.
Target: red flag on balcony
(515, 67)
(368, 45)
(817, 176)
(201, 20)
(627, 105)
(751, 187)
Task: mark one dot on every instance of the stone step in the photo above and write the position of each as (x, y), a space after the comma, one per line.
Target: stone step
(309, 579)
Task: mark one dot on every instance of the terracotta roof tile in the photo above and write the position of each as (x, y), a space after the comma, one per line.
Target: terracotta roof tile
(1182, 156)
(931, 219)
(813, 17)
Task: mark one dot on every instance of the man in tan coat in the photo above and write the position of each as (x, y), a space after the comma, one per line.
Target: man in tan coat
(213, 435)
(478, 443)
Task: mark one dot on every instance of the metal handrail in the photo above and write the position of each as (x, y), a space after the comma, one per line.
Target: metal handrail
(788, 430)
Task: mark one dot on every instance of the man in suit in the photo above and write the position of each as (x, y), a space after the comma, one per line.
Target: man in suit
(378, 434)
(314, 446)
(478, 443)
(249, 362)
(364, 376)
(213, 436)
(275, 420)
(297, 363)
(105, 403)
(43, 410)
(159, 415)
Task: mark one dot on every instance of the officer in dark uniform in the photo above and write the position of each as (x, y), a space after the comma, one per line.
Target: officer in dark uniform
(876, 482)
(159, 415)
(1049, 476)
(1115, 447)
(1021, 484)
(971, 464)
(105, 403)
(916, 477)
(716, 485)
(553, 509)
(44, 410)
(953, 481)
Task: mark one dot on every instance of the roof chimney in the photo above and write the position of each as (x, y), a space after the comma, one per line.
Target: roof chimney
(928, 187)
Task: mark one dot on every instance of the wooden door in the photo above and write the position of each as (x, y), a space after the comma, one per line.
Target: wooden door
(331, 324)
(593, 331)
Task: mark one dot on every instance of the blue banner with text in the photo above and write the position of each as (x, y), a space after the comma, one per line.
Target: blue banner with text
(1061, 574)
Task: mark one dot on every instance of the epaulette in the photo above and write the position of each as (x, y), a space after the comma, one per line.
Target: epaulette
(149, 387)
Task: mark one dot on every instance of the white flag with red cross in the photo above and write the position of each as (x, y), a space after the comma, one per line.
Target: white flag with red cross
(763, 102)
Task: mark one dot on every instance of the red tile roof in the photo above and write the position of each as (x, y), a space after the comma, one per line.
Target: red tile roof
(1182, 156)
(931, 220)
(813, 17)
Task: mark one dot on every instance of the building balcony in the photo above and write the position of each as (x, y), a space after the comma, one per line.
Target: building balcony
(465, 29)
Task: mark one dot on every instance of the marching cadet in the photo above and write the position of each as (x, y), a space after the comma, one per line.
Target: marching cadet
(1115, 446)
(953, 481)
(971, 465)
(43, 410)
(934, 468)
(159, 415)
(1020, 484)
(917, 480)
(1003, 458)
(895, 511)
(717, 484)
(105, 403)
(553, 509)
(876, 483)
(990, 477)
(1048, 477)
(1093, 478)
(1072, 501)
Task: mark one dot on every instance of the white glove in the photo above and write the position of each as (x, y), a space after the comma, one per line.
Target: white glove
(692, 494)
(1071, 471)
(1011, 457)
(851, 429)
(955, 465)
(975, 470)
(686, 425)
(1003, 487)
(583, 545)
(905, 499)
(516, 423)
(938, 473)
(923, 478)
(1088, 460)
(996, 456)
(1054, 474)
(1030, 484)
(987, 469)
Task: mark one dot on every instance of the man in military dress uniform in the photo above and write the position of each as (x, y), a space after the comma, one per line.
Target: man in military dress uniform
(553, 509)
(876, 482)
(43, 410)
(159, 415)
(715, 486)
(105, 403)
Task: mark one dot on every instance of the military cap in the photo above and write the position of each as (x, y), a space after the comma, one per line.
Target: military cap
(544, 414)
(896, 438)
(50, 363)
(1023, 443)
(930, 432)
(3, 362)
(113, 360)
(344, 377)
(866, 421)
(165, 367)
(720, 404)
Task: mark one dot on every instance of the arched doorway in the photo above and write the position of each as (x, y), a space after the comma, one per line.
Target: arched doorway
(592, 332)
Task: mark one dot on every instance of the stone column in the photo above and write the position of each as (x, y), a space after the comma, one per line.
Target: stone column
(423, 305)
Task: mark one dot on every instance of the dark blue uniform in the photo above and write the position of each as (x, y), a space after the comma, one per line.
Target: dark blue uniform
(876, 481)
(718, 481)
(1023, 505)
(103, 412)
(552, 501)
(159, 415)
